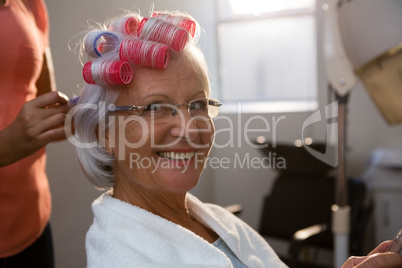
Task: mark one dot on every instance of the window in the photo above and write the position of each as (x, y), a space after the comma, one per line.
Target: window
(267, 55)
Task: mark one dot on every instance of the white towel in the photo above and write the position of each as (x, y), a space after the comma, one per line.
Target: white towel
(123, 235)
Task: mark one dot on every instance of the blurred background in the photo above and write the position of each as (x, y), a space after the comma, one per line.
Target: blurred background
(266, 63)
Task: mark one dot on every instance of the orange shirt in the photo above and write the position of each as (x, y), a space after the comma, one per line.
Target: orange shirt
(25, 200)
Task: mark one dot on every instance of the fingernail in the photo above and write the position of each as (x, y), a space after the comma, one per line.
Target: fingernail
(62, 95)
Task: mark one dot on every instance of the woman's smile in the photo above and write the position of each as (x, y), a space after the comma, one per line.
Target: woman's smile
(176, 156)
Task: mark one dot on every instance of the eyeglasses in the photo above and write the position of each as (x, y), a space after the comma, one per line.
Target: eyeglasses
(204, 108)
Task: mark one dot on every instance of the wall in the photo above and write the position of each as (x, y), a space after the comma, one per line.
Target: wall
(72, 194)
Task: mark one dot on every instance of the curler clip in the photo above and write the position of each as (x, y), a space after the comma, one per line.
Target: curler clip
(73, 101)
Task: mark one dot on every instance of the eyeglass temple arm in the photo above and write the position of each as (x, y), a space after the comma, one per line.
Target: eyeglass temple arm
(126, 108)
(214, 103)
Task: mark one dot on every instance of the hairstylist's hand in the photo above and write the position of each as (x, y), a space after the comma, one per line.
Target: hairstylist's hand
(377, 258)
(39, 122)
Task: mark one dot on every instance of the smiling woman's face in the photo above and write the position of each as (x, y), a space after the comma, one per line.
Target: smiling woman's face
(161, 157)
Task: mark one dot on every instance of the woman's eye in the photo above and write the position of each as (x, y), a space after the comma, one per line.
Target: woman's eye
(153, 108)
(198, 105)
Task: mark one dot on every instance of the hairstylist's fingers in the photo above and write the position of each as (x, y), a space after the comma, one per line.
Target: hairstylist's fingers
(38, 128)
(45, 113)
(51, 98)
(381, 247)
(54, 134)
(387, 259)
(36, 110)
(45, 132)
(353, 261)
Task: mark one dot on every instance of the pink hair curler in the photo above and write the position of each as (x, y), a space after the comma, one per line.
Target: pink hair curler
(141, 26)
(87, 73)
(107, 72)
(177, 20)
(158, 30)
(97, 43)
(126, 25)
(189, 25)
(145, 53)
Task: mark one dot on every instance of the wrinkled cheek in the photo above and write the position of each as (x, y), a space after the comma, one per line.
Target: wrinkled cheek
(130, 136)
(200, 160)
(207, 135)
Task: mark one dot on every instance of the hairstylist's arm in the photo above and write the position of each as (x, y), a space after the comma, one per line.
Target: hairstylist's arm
(39, 121)
(377, 258)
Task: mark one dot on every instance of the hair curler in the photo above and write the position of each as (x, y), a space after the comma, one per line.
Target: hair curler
(141, 26)
(177, 20)
(107, 72)
(158, 30)
(145, 53)
(127, 25)
(98, 43)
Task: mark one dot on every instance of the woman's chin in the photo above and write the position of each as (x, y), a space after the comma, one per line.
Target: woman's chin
(181, 176)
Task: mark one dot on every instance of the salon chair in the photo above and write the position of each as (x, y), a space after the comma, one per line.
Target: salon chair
(298, 208)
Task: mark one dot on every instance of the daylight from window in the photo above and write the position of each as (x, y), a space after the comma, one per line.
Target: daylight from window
(261, 6)
(269, 58)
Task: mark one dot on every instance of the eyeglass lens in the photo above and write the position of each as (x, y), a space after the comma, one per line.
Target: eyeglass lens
(196, 108)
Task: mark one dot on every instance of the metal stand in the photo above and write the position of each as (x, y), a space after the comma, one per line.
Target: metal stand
(341, 210)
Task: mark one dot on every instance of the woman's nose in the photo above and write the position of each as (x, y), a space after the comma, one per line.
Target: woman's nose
(183, 124)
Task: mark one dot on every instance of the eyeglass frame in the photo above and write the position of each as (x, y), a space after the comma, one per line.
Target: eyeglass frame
(215, 103)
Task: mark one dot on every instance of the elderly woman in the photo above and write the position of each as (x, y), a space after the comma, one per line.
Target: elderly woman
(144, 126)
